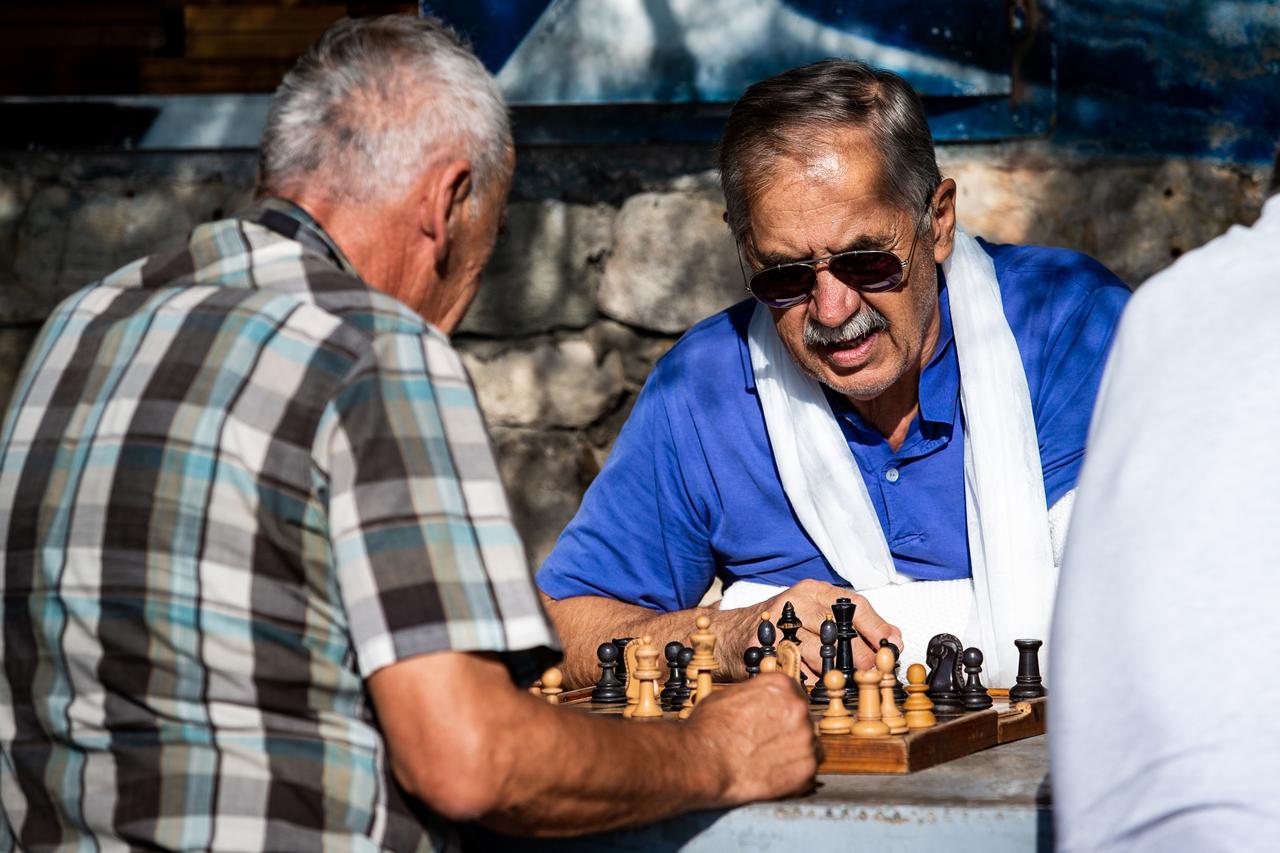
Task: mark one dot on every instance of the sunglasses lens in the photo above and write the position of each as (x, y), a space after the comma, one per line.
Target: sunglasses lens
(781, 286)
(870, 272)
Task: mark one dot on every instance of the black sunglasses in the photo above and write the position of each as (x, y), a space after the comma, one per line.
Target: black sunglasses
(865, 270)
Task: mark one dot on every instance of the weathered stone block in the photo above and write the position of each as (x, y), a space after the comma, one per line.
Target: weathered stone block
(640, 352)
(550, 383)
(546, 474)
(544, 271)
(14, 345)
(673, 262)
(109, 231)
(1135, 216)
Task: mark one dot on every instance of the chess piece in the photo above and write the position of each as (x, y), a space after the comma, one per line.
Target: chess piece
(646, 674)
(551, 681)
(768, 664)
(886, 663)
(789, 661)
(675, 680)
(751, 657)
(1029, 685)
(608, 690)
(918, 707)
(939, 642)
(899, 692)
(827, 635)
(944, 688)
(975, 696)
(633, 684)
(766, 634)
(842, 611)
(790, 624)
(836, 720)
(685, 659)
(869, 723)
(703, 663)
(621, 643)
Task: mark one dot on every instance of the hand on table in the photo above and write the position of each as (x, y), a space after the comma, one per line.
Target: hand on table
(760, 735)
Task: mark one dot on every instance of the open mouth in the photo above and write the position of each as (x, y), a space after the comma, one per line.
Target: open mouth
(849, 353)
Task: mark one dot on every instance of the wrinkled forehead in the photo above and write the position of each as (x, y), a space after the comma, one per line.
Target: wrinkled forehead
(845, 159)
(828, 197)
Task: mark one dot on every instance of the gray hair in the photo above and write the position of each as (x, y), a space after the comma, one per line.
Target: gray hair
(800, 111)
(366, 106)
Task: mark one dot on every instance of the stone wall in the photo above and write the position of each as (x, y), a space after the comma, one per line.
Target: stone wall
(610, 254)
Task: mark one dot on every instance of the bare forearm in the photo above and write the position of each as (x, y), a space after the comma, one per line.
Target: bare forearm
(584, 622)
(495, 754)
(587, 774)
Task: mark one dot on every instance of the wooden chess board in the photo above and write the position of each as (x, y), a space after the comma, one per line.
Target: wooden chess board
(951, 738)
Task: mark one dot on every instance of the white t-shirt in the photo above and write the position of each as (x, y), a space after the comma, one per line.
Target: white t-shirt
(1164, 723)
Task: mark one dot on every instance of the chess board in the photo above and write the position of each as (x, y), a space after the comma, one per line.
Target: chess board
(951, 738)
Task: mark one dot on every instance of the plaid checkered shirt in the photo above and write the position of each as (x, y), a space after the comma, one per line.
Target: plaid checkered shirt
(235, 481)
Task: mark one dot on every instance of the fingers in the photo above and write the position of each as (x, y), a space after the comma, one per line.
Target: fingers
(863, 657)
(871, 627)
(811, 652)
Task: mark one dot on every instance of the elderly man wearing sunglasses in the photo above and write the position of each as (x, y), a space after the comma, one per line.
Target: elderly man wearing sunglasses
(901, 409)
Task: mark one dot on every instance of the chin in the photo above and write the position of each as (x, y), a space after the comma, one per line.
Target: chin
(865, 383)
(857, 389)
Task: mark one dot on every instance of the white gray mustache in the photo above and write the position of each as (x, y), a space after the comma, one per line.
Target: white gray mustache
(865, 322)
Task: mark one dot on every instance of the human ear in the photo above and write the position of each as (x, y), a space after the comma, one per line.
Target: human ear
(442, 194)
(942, 216)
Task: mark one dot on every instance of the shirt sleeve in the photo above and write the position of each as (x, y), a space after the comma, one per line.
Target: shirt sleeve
(641, 534)
(1088, 301)
(426, 556)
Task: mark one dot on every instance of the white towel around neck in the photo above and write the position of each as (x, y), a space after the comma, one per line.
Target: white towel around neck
(1014, 575)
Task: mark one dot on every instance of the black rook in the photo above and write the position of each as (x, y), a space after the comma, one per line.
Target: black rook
(1028, 686)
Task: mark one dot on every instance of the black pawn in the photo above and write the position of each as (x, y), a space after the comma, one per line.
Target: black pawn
(845, 635)
(621, 644)
(752, 657)
(767, 634)
(899, 692)
(670, 694)
(685, 658)
(609, 690)
(943, 689)
(975, 696)
(827, 634)
(1028, 686)
(790, 624)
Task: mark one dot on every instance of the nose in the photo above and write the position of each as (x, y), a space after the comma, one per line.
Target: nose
(832, 301)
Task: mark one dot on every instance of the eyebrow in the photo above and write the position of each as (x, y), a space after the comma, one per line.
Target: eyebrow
(862, 243)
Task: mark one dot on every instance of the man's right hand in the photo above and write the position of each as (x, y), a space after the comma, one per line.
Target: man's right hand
(760, 735)
(812, 601)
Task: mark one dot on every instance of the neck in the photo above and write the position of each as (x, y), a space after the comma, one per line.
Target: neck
(363, 235)
(891, 412)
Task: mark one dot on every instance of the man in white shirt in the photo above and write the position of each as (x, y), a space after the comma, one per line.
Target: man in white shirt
(1165, 729)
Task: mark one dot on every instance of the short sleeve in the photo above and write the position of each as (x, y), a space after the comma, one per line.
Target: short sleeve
(426, 556)
(641, 534)
(1088, 303)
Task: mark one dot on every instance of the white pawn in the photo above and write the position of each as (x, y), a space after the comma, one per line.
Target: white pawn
(836, 720)
(551, 681)
(889, 712)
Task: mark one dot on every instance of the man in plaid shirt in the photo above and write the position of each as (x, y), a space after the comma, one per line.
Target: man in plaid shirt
(261, 588)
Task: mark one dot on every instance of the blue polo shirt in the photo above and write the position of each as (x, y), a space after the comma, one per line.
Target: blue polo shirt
(691, 489)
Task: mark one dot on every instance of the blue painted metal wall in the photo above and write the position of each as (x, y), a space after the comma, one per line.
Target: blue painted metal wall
(1196, 77)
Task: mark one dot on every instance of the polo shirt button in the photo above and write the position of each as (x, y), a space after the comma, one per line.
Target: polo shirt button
(891, 475)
